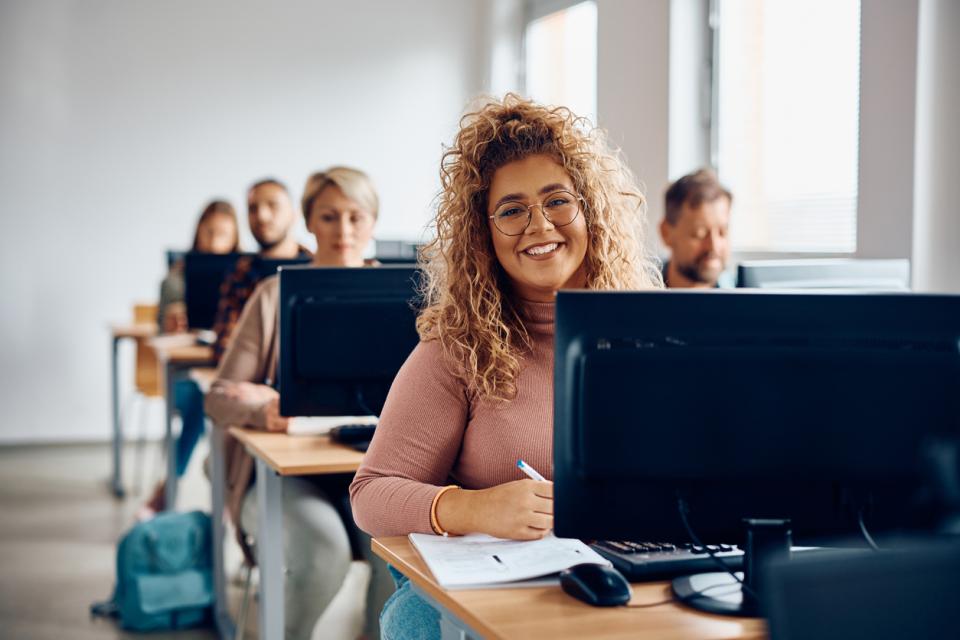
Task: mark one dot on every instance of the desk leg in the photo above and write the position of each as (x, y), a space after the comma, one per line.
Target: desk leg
(168, 440)
(270, 555)
(451, 627)
(218, 471)
(117, 482)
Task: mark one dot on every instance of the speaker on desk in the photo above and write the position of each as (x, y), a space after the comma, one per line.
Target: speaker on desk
(910, 592)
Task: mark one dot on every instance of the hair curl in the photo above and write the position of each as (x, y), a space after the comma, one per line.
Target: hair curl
(468, 306)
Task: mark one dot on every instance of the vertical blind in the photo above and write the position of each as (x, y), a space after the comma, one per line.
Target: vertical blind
(788, 104)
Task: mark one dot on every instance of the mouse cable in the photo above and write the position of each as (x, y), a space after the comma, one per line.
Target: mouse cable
(863, 530)
(660, 603)
(684, 510)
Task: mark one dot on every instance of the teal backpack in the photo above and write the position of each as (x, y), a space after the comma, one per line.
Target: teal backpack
(164, 574)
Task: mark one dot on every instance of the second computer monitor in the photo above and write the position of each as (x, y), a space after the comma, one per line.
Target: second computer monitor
(826, 274)
(344, 333)
(819, 408)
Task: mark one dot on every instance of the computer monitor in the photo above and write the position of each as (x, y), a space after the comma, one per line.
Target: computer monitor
(397, 251)
(818, 408)
(344, 333)
(204, 273)
(825, 274)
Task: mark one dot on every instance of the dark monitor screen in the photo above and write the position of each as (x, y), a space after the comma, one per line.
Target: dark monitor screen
(823, 274)
(812, 407)
(344, 334)
(204, 273)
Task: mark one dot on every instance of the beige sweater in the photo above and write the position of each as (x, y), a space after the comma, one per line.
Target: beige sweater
(251, 357)
(433, 432)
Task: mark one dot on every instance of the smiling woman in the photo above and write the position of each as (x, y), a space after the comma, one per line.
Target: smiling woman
(533, 201)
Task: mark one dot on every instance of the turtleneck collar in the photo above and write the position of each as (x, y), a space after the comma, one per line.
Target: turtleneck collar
(538, 316)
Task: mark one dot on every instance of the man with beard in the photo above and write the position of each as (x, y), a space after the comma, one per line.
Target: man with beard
(271, 215)
(695, 228)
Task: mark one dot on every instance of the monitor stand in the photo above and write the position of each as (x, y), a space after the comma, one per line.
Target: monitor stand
(719, 592)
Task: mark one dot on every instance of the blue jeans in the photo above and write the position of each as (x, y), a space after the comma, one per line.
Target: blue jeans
(189, 401)
(407, 616)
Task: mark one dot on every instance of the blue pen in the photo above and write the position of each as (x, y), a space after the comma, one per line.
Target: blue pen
(530, 471)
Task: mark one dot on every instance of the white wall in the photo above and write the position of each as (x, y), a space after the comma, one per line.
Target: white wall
(120, 119)
(888, 72)
(633, 91)
(936, 231)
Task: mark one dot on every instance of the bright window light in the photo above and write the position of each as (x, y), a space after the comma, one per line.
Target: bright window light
(788, 103)
(561, 59)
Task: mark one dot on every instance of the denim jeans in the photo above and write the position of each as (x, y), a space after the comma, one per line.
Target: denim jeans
(189, 401)
(407, 616)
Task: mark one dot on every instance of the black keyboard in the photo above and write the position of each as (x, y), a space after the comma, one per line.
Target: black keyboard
(639, 561)
(357, 436)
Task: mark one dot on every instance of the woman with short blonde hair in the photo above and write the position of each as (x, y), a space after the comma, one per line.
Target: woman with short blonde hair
(533, 201)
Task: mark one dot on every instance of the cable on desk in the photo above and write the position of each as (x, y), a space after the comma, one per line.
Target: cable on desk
(863, 530)
(684, 509)
(660, 603)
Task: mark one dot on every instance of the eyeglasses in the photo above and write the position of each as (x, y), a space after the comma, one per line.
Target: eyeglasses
(560, 208)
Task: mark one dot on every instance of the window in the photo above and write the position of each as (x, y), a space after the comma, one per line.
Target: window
(787, 122)
(560, 55)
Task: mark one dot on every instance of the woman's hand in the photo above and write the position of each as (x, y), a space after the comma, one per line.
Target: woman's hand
(272, 420)
(519, 510)
(175, 318)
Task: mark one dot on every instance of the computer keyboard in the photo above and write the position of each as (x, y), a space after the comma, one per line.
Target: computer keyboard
(639, 561)
(357, 436)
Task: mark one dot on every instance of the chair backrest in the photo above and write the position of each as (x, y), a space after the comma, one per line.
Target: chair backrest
(147, 378)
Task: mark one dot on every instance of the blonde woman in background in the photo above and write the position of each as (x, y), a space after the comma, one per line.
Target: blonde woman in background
(340, 207)
(533, 201)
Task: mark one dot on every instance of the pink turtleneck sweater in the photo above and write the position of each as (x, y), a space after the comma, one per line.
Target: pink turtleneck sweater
(433, 432)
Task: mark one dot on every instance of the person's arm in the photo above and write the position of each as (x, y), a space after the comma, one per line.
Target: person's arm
(417, 441)
(238, 395)
(171, 313)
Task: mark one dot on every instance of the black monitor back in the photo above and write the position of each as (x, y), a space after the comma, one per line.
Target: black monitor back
(204, 273)
(826, 274)
(803, 406)
(344, 333)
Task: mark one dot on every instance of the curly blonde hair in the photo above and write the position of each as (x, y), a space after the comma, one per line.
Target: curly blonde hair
(468, 307)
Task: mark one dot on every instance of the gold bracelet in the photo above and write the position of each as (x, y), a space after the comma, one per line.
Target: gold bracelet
(434, 523)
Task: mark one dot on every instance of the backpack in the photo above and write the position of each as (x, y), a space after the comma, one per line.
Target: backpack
(164, 574)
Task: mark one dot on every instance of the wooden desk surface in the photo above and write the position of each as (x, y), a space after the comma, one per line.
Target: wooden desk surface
(299, 455)
(548, 612)
(136, 330)
(183, 354)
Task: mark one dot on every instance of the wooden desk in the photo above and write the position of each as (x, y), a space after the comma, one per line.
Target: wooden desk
(175, 359)
(276, 455)
(548, 612)
(118, 332)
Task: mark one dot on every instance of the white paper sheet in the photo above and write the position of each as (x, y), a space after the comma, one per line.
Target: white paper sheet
(477, 561)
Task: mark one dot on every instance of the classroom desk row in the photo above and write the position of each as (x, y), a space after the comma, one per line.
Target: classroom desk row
(175, 359)
(501, 613)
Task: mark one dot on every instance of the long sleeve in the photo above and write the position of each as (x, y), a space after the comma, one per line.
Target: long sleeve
(415, 447)
(247, 359)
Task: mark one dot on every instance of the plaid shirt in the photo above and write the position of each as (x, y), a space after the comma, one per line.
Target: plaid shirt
(234, 293)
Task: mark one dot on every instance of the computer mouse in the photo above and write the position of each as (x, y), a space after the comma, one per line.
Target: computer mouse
(596, 584)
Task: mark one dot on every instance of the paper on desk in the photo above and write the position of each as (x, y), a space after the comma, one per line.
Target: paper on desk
(321, 425)
(477, 561)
